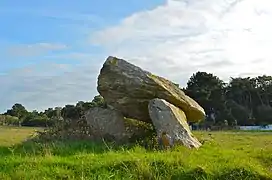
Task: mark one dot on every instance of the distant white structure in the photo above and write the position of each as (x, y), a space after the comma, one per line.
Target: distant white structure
(263, 128)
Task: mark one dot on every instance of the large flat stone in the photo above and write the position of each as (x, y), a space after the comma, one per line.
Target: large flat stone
(129, 89)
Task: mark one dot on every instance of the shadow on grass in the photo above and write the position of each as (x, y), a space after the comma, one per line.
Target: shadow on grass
(52, 144)
(68, 147)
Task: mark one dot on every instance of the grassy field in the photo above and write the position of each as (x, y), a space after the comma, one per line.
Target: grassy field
(224, 155)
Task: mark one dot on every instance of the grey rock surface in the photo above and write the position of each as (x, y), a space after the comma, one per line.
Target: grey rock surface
(106, 122)
(171, 120)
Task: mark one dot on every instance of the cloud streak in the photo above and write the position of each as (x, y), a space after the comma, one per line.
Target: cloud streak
(27, 50)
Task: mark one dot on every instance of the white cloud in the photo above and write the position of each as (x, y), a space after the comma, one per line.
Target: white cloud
(34, 49)
(225, 37)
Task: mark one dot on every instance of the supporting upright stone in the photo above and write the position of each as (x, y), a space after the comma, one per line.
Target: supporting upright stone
(170, 120)
(106, 122)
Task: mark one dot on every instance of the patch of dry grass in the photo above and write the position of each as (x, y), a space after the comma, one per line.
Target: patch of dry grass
(14, 135)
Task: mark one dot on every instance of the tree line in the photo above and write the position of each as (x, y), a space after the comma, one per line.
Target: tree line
(19, 116)
(242, 101)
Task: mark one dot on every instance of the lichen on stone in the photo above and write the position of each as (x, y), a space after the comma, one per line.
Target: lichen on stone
(114, 61)
(150, 75)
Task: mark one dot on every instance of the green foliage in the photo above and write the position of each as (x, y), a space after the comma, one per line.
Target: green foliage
(36, 120)
(243, 101)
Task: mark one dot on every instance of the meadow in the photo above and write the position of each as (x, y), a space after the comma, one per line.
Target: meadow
(225, 155)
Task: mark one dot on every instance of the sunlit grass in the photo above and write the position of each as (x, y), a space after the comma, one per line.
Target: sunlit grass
(14, 135)
(224, 155)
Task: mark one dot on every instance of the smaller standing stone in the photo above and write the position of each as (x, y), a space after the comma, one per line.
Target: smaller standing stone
(170, 120)
(105, 122)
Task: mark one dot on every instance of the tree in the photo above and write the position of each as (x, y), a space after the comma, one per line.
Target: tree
(264, 87)
(240, 95)
(35, 120)
(19, 115)
(264, 114)
(70, 112)
(242, 90)
(50, 112)
(208, 90)
(251, 96)
(17, 110)
(239, 113)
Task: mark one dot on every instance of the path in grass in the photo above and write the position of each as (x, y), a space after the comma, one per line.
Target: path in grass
(224, 155)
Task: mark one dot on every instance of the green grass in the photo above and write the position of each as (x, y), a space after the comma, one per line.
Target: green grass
(224, 155)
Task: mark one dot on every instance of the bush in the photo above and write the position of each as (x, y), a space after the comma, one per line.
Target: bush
(33, 120)
(9, 120)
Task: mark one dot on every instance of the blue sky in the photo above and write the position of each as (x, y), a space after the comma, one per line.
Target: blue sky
(34, 34)
(58, 22)
(51, 51)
